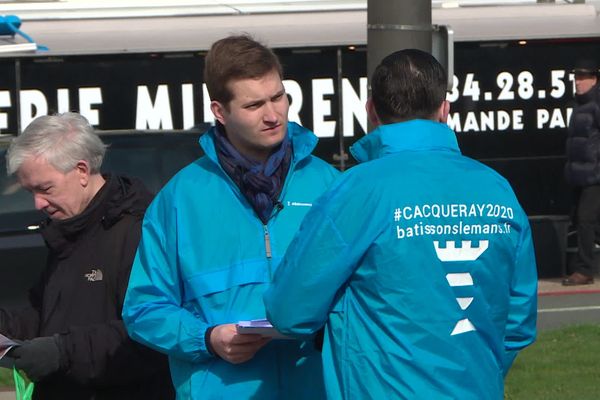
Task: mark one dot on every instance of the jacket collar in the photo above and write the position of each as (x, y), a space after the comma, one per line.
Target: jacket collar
(303, 142)
(117, 197)
(413, 135)
(589, 96)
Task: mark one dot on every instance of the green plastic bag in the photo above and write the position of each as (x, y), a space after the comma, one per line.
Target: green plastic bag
(23, 388)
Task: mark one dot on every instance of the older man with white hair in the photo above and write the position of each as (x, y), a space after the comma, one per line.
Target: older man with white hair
(74, 344)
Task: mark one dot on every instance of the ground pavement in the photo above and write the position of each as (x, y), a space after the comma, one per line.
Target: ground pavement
(559, 306)
(554, 287)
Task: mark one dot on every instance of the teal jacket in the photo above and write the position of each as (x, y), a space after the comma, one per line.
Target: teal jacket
(203, 261)
(420, 263)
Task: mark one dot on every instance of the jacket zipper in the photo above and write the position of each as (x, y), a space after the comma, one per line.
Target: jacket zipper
(278, 207)
(267, 242)
(268, 251)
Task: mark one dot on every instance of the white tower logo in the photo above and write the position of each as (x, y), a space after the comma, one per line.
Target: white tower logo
(465, 253)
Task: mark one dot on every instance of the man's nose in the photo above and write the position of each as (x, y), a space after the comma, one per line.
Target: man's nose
(270, 115)
(40, 202)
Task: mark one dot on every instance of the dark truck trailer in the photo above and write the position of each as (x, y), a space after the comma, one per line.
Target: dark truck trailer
(510, 105)
(512, 91)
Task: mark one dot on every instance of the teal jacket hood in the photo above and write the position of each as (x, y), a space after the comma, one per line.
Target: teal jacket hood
(303, 142)
(419, 265)
(417, 134)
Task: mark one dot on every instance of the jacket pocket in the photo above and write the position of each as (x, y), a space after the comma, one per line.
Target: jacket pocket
(207, 283)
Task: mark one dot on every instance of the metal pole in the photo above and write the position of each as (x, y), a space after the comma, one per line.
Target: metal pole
(394, 25)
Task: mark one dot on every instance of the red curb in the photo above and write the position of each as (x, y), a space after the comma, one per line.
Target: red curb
(565, 292)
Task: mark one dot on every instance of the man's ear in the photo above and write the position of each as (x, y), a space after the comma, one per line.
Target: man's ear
(443, 111)
(218, 110)
(372, 114)
(82, 168)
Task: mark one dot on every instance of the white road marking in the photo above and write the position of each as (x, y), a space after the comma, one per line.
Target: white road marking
(585, 308)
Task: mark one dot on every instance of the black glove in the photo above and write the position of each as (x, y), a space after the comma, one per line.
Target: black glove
(38, 357)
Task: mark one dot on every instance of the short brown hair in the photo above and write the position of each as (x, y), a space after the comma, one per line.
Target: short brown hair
(236, 57)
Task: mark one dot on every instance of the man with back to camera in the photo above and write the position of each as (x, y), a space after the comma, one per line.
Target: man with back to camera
(215, 234)
(582, 169)
(418, 261)
(75, 345)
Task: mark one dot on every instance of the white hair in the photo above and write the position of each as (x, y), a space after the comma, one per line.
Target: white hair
(61, 139)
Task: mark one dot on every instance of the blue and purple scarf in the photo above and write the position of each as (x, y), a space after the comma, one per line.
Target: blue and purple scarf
(261, 183)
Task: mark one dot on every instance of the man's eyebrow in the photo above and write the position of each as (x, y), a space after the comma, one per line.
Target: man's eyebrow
(42, 185)
(259, 101)
(253, 102)
(280, 93)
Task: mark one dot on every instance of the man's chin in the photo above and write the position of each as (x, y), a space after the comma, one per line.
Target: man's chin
(273, 145)
(55, 215)
(275, 137)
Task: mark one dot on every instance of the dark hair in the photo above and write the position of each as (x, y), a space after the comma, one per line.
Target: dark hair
(236, 57)
(408, 84)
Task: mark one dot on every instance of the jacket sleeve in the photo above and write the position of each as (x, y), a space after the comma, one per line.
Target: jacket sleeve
(323, 256)
(103, 354)
(153, 311)
(23, 322)
(522, 314)
(595, 130)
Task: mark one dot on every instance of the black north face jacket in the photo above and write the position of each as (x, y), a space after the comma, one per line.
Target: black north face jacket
(80, 297)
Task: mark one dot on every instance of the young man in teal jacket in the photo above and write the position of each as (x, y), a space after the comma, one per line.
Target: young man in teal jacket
(214, 236)
(419, 261)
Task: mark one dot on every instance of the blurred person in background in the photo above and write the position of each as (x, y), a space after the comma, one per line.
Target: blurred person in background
(582, 170)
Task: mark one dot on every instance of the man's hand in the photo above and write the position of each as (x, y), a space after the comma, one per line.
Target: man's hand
(233, 347)
(38, 357)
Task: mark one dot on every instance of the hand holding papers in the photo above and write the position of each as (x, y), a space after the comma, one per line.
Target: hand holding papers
(259, 327)
(233, 347)
(5, 345)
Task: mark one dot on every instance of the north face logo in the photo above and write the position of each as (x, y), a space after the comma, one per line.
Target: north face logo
(94, 276)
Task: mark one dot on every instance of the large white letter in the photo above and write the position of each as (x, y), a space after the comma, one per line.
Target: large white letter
(187, 104)
(30, 100)
(487, 120)
(543, 116)
(208, 115)
(556, 120)
(87, 97)
(4, 102)
(352, 105)
(503, 120)
(517, 120)
(471, 122)
(569, 112)
(454, 122)
(62, 98)
(322, 107)
(296, 99)
(153, 116)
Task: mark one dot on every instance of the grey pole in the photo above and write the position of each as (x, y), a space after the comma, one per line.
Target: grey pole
(394, 25)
